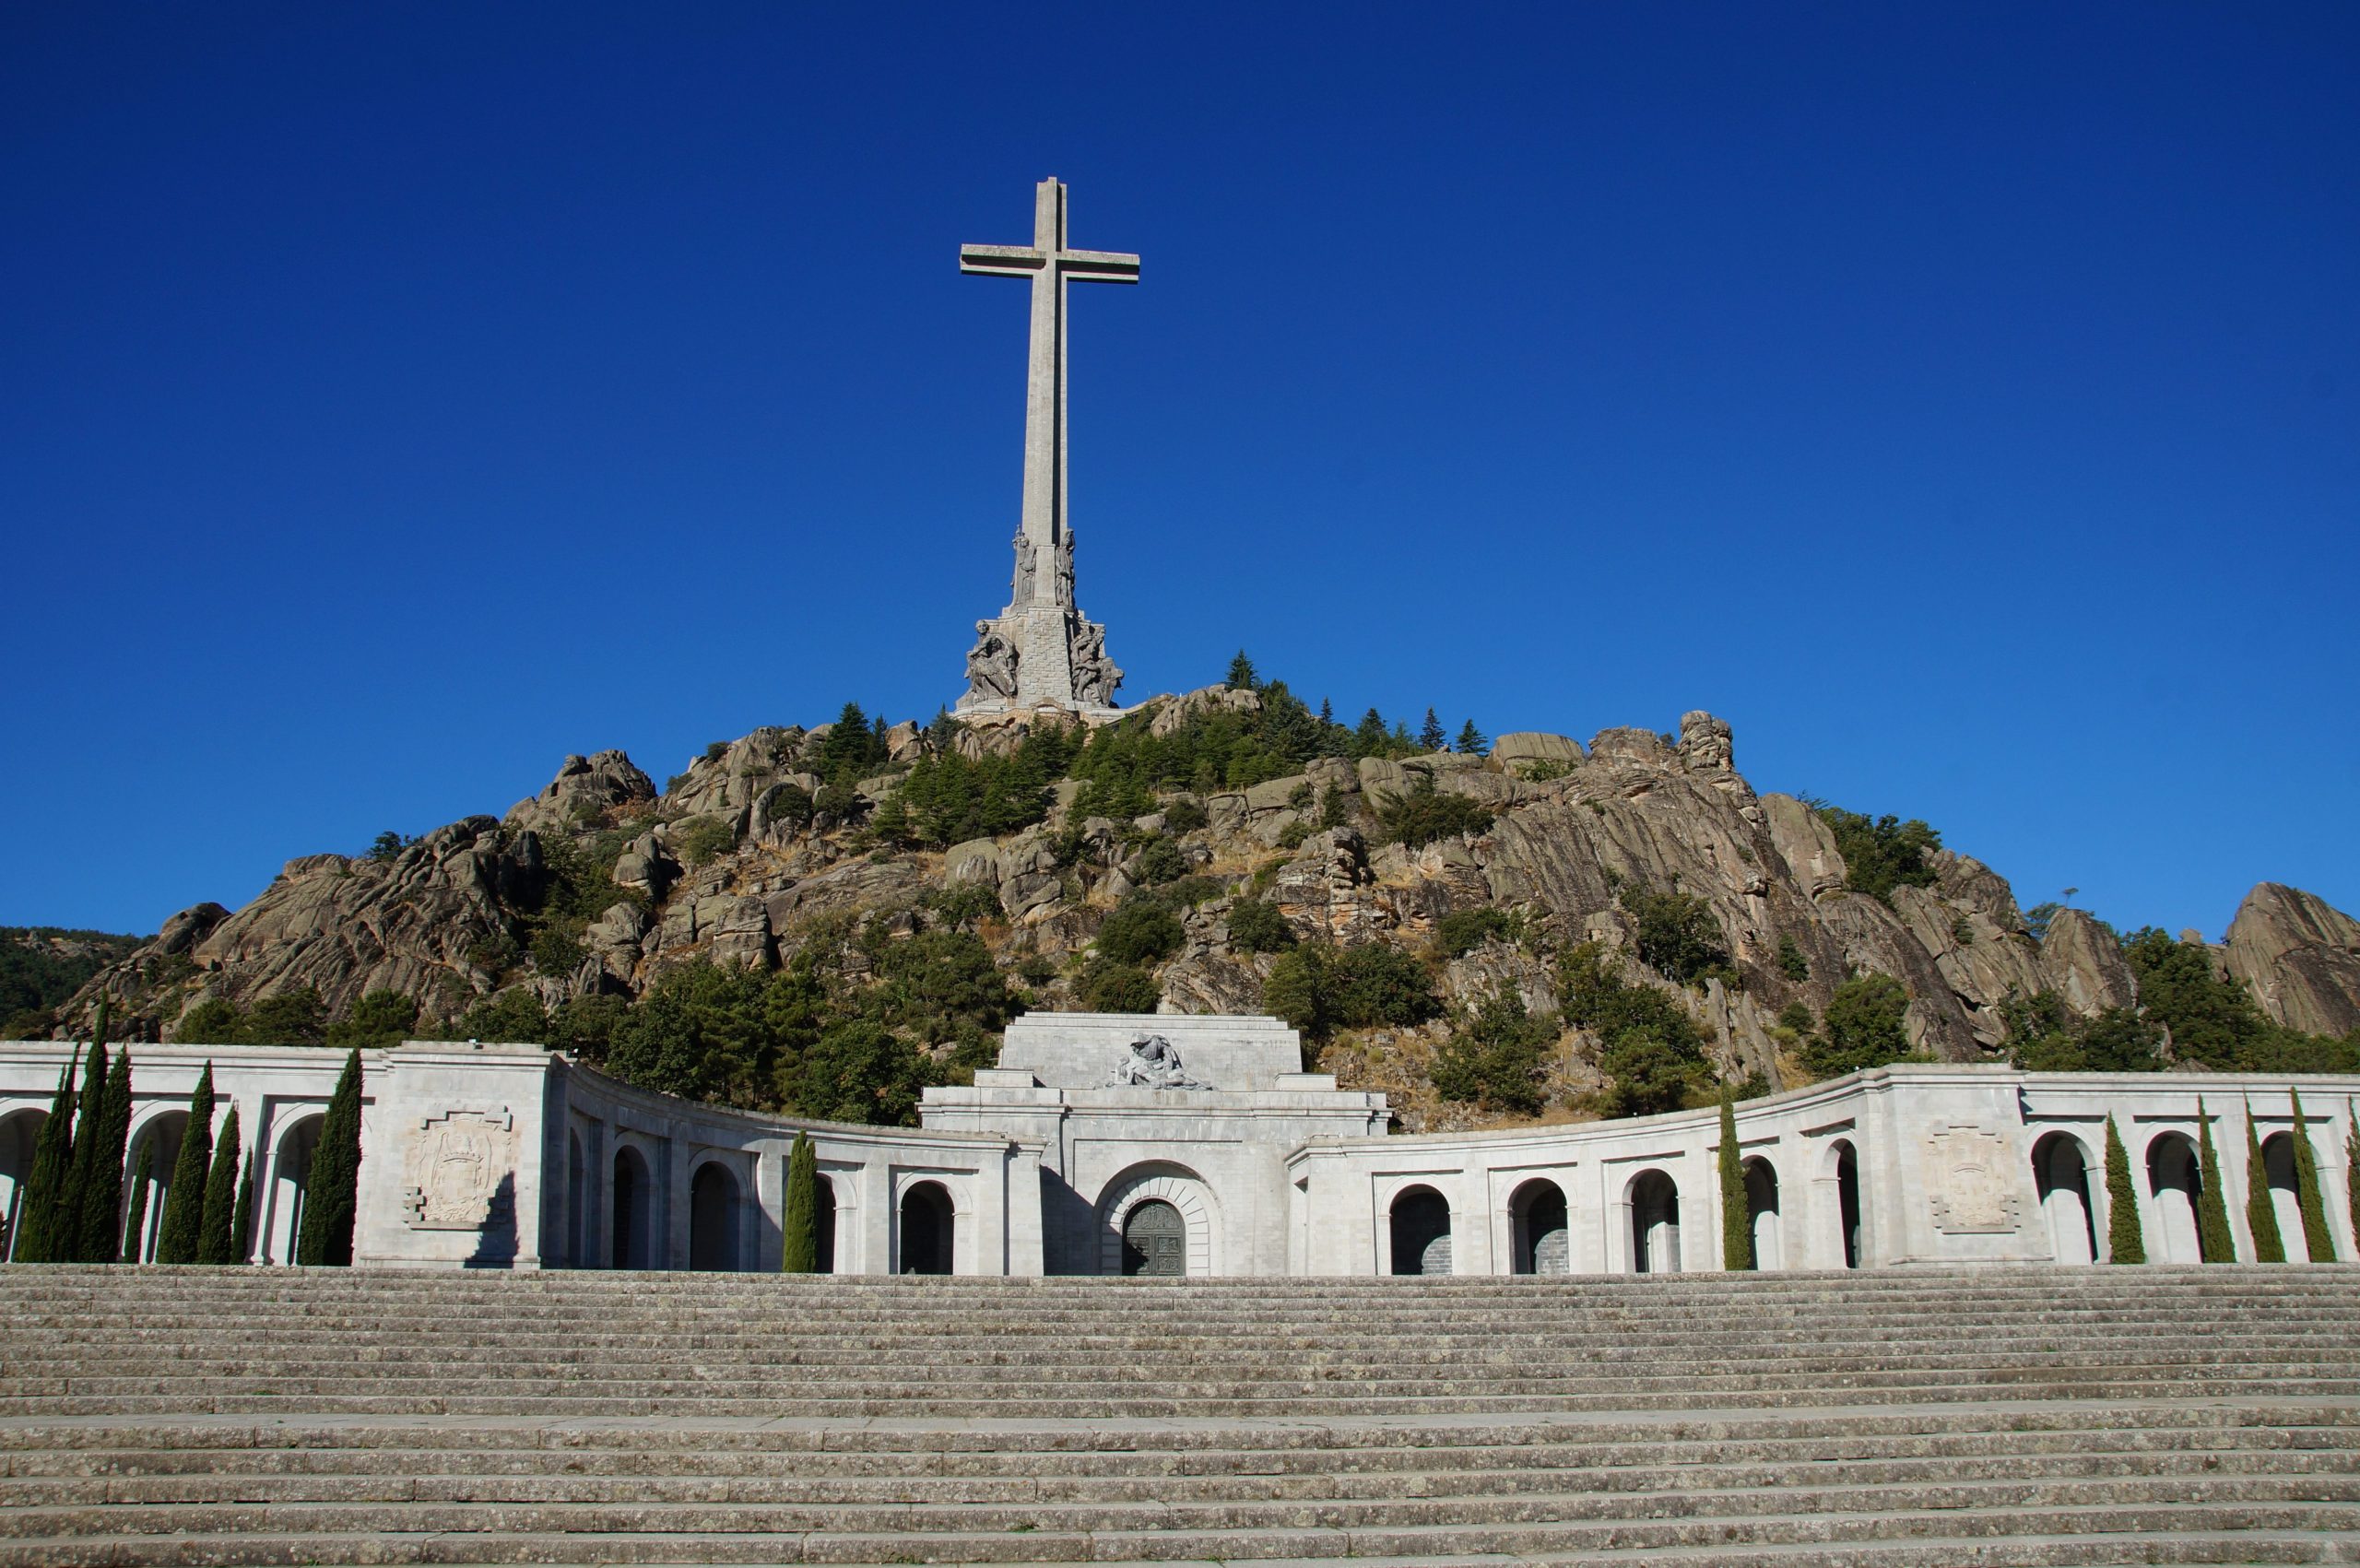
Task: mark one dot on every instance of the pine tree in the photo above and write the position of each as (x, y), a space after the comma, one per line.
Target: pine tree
(2124, 1244)
(2215, 1243)
(135, 1224)
(2318, 1242)
(2262, 1220)
(334, 1185)
(101, 1215)
(81, 1160)
(1470, 739)
(1241, 674)
(178, 1230)
(242, 1219)
(1737, 1215)
(800, 1223)
(215, 1243)
(1430, 736)
(36, 1239)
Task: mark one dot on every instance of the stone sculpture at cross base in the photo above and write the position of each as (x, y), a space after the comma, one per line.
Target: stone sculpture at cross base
(1041, 652)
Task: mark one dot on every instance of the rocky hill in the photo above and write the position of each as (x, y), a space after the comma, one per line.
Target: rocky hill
(1545, 928)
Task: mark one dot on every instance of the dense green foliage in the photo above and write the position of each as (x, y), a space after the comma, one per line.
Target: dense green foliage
(1496, 1056)
(36, 1240)
(2124, 1243)
(1463, 930)
(2045, 1036)
(331, 1202)
(1882, 852)
(63, 1224)
(1257, 927)
(2262, 1215)
(1425, 813)
(98, 1149)
(2215, 1243)
(951, 798)
(1654, 1051)
(1471, 741)
(1319, 988)
(2214, 1018)
(35, 977)
(800, 1221)
(1678, 936)
(1737, 1213)
(2318, 1242)
(1119, 988)
(134, 1223)
(1124, 766)
(1792, 962)
(181, 1230)
(1862, 1027)
(216, 1238)
(1140, 931)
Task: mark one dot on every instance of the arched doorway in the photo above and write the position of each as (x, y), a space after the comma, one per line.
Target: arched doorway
(928, 1225)
(17, 1134)
(1655, 1223)
(1848, 1204)
(1155, 1241)
(160, 1137)
(2285, 1196)
(1762, 1214)
(712, 1219)
(1538, 1238)
(290, 1181)
(1421, 1233)
(630, 1210)
(823, 1226)
(2061, 1174)
(2175, 1176)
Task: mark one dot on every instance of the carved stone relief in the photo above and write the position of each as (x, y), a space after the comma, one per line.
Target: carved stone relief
(1971, 1174)
(460, 1171)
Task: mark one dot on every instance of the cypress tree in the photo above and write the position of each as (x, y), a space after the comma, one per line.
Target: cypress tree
(800, 1252)
(81, 1159)
(100, 1219)
(242, 1221)
(2124, 1244)
(2262, 1220)
(213, 1242)
(36, 1240)
(334, 1187)
(2318, 1242)
(135, 1224)
(1737, 1215)
(2215, 1243)
(177, 1232)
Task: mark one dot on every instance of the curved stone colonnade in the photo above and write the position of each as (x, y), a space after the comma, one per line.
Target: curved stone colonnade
(513, 1156)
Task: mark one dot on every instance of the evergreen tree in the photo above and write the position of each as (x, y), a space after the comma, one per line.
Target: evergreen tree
(134, 1225)
(2318, 1243)
(2261, 1218)
(182, 1222)
(81, 1160)
(242, 1219)
(1430, 736)
(2215, 1243)
(1470, 740)
(1737, 1215)
(334, 1186)
(101, 1218)
(36, 1238)
(2124, 1244)
(215, 1242)
(800, 1253)
(1241, 674)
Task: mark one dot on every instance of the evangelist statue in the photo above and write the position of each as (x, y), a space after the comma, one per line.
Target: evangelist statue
(1154, 1063)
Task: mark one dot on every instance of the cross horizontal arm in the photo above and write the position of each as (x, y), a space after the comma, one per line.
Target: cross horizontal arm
(1099, 266)
(1002, 261)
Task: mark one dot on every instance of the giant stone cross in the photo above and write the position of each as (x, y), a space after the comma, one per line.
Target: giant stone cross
(1041, 652)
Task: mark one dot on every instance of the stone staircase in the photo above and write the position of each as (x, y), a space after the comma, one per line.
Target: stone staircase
(1936, 1416)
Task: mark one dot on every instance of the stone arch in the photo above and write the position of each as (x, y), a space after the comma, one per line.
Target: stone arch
(2060, 1174)
(291, 1185)
(1762, 1212)
(1654, 1199)
(17, 1134)
(2175, 1182)
(1420, 1225)
(927, 1236)
(1851, 1228)
(1539, 1229)
(716, 1200)
(160, 1132)
(2285, 1196)
(1159, 1182)
(632, 1212)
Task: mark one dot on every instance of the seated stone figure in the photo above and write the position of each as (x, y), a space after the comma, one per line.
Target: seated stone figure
(1154, 1063)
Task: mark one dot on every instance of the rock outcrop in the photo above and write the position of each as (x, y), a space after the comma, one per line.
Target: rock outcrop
(2300, 956)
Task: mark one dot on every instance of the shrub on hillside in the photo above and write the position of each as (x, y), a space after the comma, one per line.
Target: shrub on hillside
(1119, 988)
(1862, 1027)
(1319, 988)
(1881, 853)
(1497, 1058)
(1257, 927)
(1653, 1052)
(1678, 937)
(1140, 931)
(1426, 814)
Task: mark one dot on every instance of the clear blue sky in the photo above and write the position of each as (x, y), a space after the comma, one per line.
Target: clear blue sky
(1963, 401)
